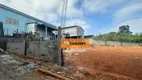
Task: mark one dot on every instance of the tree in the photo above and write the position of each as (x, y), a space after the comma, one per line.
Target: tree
(125, 30)
(123, 35)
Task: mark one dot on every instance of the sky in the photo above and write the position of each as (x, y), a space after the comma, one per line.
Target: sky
(94, 16)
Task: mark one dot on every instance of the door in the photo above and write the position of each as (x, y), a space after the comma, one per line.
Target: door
(1, 30)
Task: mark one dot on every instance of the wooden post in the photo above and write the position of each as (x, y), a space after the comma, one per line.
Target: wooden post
(59, 47)
(46, 71)
(121, 43)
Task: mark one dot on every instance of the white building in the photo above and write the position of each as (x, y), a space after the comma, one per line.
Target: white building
(73, 32)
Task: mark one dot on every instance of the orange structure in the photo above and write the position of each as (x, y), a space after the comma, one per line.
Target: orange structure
(75, 43)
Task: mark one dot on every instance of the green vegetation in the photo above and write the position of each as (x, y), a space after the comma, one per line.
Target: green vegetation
(123, 35)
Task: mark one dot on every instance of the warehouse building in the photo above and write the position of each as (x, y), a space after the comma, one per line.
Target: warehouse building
(73, 32)
(13, 21)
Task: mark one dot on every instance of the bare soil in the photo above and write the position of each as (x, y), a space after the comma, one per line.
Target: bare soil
(98, 63)
(109, 63)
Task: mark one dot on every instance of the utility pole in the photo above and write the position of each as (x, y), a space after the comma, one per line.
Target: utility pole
(63, 16)
(59, 47)
(60, 34)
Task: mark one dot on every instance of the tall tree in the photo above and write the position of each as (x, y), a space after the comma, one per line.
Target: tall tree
(125, 29)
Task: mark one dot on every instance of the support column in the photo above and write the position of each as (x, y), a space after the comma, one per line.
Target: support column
(46, 34)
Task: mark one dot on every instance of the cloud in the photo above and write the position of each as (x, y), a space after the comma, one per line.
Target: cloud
(128, 15)
(49, 10)
(72, 11)
(36, 8)
(51, 17)
(79, 22)
(135, 25)
(99, 5)
(128, 12)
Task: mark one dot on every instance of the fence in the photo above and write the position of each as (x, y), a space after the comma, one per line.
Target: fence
(4, 41)
(112, 43)
(47, 50)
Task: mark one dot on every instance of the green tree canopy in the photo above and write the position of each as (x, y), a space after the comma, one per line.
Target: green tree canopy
(123, 35)
(125, 29)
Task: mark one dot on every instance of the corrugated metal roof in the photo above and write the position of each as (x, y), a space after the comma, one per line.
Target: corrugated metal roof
(21, 13)
(72, 27)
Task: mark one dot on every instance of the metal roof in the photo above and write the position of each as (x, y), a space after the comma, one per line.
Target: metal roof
(21, 13)
(72, 27)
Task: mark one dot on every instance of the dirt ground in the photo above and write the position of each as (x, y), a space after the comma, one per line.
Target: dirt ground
(109, 63)
(98, 63)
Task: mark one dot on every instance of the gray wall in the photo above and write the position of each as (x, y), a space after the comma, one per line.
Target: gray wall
(17, 47)
(112, 43)
(47, 50)
(44, 49)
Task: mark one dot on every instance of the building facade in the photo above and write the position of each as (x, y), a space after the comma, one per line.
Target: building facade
(73, 32)
(17, 22)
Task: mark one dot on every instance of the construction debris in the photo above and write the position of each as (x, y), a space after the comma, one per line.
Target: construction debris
(19, 67)
(44, 70)
(12, 68)
(2, 51)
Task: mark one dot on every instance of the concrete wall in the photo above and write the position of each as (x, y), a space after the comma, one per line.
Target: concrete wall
(47, 50)
(17, 47)
(44, 49)
(97, 43)
(112, 43)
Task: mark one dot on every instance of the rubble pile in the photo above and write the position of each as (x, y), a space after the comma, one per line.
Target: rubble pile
(13, 68)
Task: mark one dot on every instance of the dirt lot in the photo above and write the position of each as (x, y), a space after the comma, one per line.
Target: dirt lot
(99, 63)
(114, 63)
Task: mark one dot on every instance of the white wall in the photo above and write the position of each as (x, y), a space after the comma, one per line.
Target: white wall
(80, 32)
(72, 31)
(111, 43)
